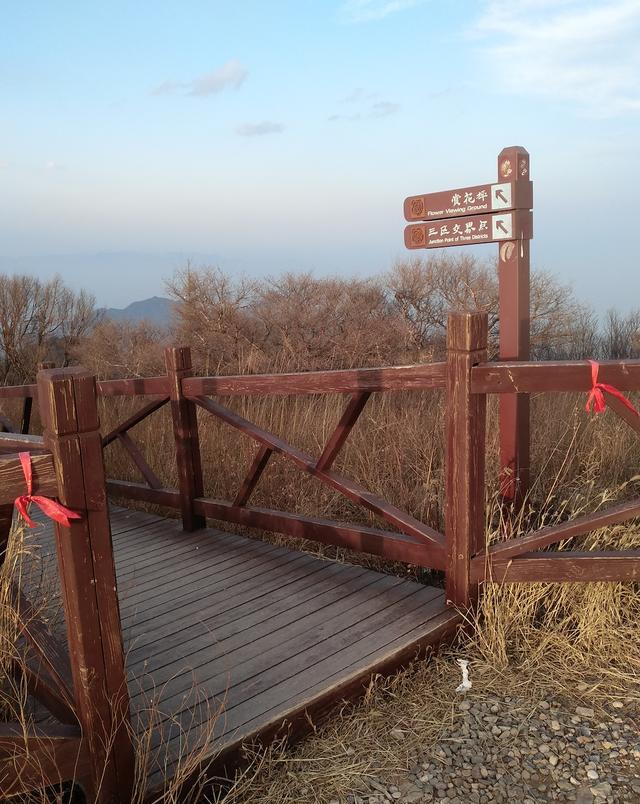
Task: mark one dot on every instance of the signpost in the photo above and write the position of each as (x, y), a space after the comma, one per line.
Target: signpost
(492, 213)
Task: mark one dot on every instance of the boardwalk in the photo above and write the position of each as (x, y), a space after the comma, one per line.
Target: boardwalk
(263, 633)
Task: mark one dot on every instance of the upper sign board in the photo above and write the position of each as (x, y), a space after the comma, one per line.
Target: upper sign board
(473, 229)
(464, 201)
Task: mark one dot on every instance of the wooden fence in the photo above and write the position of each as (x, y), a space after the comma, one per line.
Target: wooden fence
(68, 464)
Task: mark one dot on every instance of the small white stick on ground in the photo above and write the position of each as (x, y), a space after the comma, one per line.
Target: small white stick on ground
(466, 683)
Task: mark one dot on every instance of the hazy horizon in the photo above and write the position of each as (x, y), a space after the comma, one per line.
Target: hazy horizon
(285, 136)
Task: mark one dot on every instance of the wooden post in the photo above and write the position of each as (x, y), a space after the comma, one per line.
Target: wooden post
(514, 303)
(185, 431)
(67, 399)
(465, 456)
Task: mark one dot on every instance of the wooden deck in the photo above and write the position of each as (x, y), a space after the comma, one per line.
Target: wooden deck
(215, 622)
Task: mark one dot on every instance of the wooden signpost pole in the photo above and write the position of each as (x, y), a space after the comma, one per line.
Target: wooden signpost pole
(514, 289)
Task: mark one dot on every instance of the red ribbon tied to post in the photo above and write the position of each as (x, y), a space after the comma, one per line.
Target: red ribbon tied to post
(54, 510)
(595, 400)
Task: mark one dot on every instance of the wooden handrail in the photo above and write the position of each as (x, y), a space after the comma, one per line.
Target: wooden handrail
(343, 381)
(12, 482)
(552, 375)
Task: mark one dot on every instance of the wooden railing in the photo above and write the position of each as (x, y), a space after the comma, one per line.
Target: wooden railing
(84, 687)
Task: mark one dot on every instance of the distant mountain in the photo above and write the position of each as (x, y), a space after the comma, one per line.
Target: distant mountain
(156, 310)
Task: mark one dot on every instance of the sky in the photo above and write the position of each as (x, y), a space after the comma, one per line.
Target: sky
(271, 136)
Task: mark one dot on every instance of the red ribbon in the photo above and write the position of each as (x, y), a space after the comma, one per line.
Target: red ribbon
(595, 400)
(54, 510)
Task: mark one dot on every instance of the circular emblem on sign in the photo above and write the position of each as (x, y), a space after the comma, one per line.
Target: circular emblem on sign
(417, 207)
(417, 236)
(524, 168)
(505, 168)
(506, 251)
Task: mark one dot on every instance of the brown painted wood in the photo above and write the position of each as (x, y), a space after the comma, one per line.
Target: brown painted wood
(185, 430)
(134, 419)
(258, 465)
(40, 757)
(67, 399)
(552, 375)
(552, 534)
(385, 543)
(349, 488)
(46, 662)
(344, 427)
(138, 458)
(344, 381)
(137, 386)
(20, 442)
(571, 566)
(125, 489)
(17, 391)
(623, 412)
(465, 456)
(12, 482)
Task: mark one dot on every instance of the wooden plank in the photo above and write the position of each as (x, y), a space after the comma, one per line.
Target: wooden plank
(552, 375)
(260, 681)
(623, 412)
(136, 617)
(571, 566)
(350, 416)
(12, 482)
(296, 583)
(343, 381)
(39, 757)
(185, 431)
(304, 710)
(67, 399)
(555, 533)
(134, 419)
(17, 391)
(204, 658)
(385, 543)
(465, 456)
(138, 458)
(136, 386)
(20, 442)
(243, 672)
(258, 465)
(127, 490)
(349, 488)
(46, 655)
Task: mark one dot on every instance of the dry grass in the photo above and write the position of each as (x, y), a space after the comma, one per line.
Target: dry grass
(532, 638)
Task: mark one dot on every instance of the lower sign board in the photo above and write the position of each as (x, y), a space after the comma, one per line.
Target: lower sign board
(474, 229)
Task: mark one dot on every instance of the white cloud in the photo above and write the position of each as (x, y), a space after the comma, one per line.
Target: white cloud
(259, 129)
(384, 109)
(362, 100)
(366, 10)
(51, 165)
(231, 75)
(3, 164)
(576, 51)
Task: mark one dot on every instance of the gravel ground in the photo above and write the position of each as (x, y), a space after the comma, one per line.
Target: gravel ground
(502, 749)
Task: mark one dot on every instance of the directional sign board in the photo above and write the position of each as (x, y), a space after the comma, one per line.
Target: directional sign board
(516, 225)
(475, 200)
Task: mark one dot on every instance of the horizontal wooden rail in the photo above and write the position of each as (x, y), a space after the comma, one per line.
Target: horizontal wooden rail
(137, 386)
(17, 391)
(20, 443)
(344, 381)
(390, 545)
(40, 756)
(12, 482)
(349, 488)
(555, 533)
(553, 375)
(570, 566)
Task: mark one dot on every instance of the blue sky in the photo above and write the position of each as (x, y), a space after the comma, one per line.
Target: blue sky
(285, 135)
